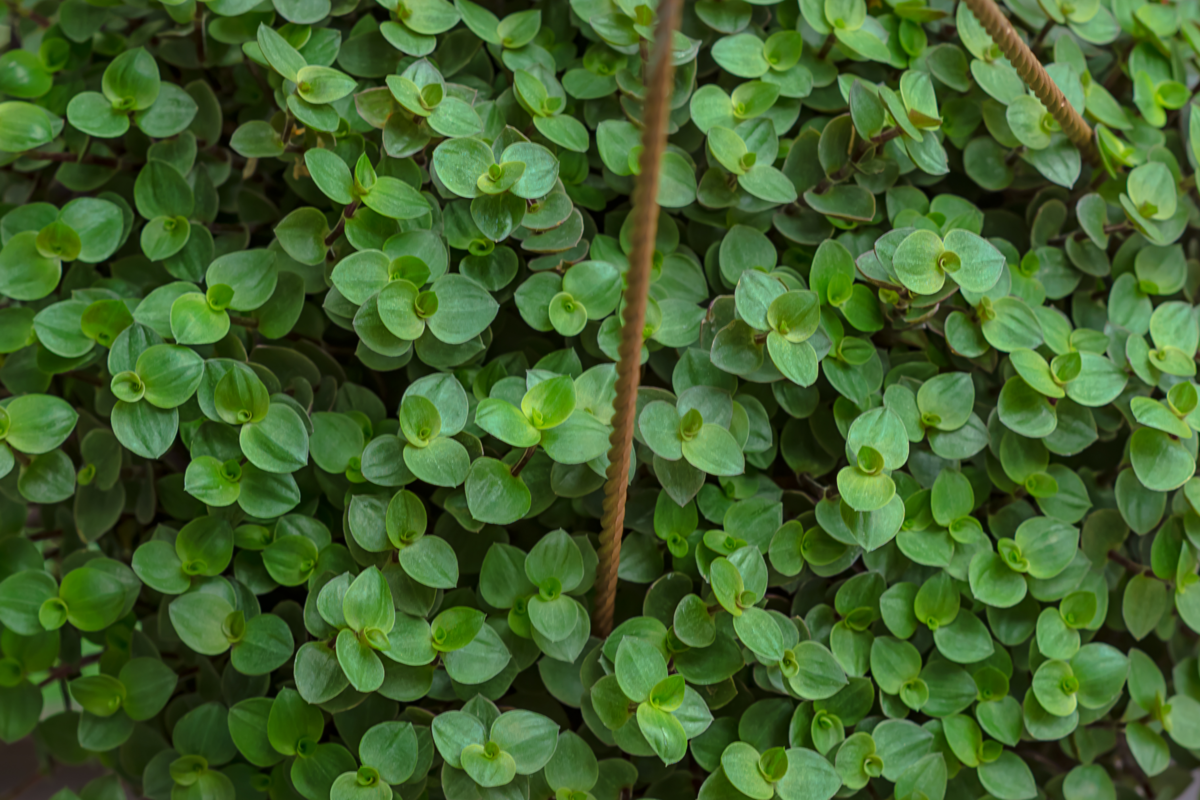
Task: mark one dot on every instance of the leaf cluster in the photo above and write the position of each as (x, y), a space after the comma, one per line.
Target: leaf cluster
(309, 315)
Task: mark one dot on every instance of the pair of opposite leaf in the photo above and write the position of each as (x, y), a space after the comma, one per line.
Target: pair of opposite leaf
(536, 587)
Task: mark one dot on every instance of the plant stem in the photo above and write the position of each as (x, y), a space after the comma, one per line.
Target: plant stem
(260, 80)
(228, 227)
(1130, 763)
(73, 158)
(289, 126)
(64, 670)
(826, 46)
(33, 16)
(1042, 759)
(42, 536)
(83, 377)
(1063, 237)
(811, 484)
(887, 135)
(23, 786)
(347, 213)
(829, 180)
(1116, 73)
(1126, 562)
(201, 39)
(1041, 35)
(520, 465)
(245, 322)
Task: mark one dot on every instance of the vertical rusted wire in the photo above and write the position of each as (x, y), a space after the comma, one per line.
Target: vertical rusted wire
(1034, 75)
(655, 113)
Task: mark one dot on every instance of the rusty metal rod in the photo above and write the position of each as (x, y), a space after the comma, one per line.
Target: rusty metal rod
(1034, 75)
(655, 113)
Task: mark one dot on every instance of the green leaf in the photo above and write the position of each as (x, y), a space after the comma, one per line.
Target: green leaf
(454, 731)
(464, 309)
(494, 494)
(131, 81)
(1151, 187)
(266, 645)
(528, 737)
(392, 749)
(145, 429)
(1008, 778)
(1143, 604)
(430, 561)
(663, 732)
(573, 765)
(26, 274)
(714, 450)
(359, 661)
(460, 163)
(820, 676)
(199, 619)
(23, 126)
(367, 604)
(36, 424)
(331, 175)
(809, 775)
(639, 668)
(488, 765)
(1160, 462)
(395, 199)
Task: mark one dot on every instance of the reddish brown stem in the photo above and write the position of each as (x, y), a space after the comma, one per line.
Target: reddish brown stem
(347, 213)
(42, 536)
(74, 158)
(83, 377)
(520, 465)
(826, 46)
(66, 670)
(887, 135)
(1041, 35)
(1126, 562)
(17, 11)
(23, 786)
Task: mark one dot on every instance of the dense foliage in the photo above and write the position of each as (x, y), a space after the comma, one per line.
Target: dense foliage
(309, 312)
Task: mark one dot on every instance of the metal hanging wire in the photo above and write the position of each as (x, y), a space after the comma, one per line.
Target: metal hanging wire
(655, 112)
(1034, 75)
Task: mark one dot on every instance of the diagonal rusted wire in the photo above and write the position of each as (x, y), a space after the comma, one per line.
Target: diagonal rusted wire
(1034, 75)
(655, 112)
